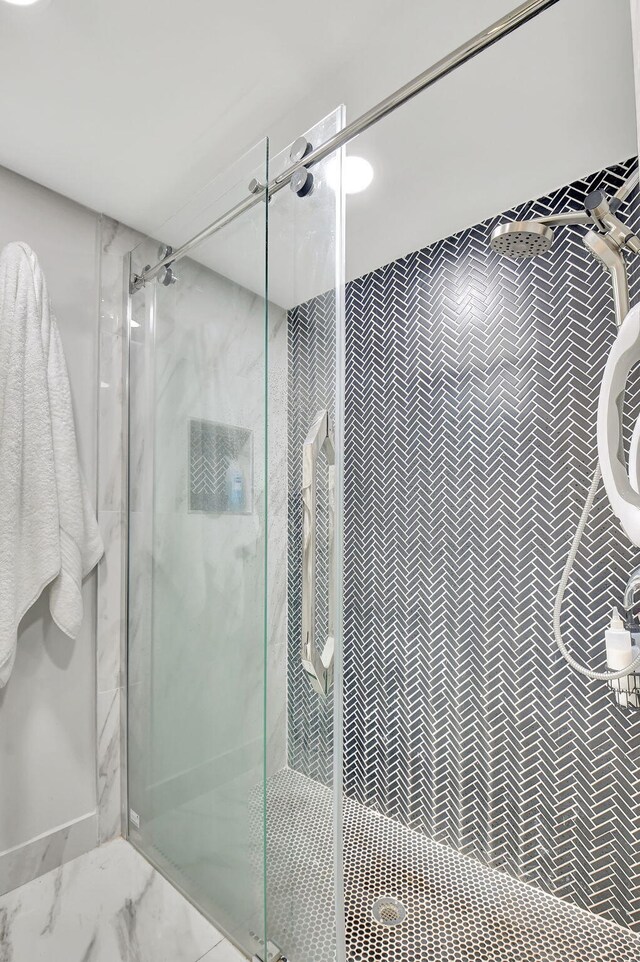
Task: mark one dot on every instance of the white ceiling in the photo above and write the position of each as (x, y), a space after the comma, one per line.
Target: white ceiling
(131, 107)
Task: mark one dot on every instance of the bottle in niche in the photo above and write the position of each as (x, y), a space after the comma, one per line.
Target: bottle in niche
(235, 487)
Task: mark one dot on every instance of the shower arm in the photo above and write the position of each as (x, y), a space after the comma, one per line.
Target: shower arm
(608, 239)
(600, 216)
(569, 219)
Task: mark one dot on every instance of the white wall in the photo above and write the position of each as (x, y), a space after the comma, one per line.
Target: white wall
(47, 709)
(635, 39)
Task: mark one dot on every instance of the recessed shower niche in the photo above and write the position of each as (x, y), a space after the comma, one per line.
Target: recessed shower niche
(220, 468)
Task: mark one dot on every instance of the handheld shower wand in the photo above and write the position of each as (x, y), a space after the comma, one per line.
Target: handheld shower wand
(609, 239)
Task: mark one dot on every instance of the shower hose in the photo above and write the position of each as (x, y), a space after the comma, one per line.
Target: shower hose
(562, 587)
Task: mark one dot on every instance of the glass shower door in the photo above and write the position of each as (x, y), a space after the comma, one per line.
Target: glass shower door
(304, 705)
(235, 463)
(197, 547)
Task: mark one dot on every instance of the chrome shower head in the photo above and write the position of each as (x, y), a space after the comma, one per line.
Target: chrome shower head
(522, 238)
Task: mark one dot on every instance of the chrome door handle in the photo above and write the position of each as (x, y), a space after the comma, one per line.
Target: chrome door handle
(318, 665)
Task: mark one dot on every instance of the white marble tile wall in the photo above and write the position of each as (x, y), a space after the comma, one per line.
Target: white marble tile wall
(195, 697)
(206, 327)
(203, 358)
(115, 242)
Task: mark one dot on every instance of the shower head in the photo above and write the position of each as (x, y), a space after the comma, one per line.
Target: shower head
(523, 238)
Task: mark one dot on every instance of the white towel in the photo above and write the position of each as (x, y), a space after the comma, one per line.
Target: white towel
(48, 531)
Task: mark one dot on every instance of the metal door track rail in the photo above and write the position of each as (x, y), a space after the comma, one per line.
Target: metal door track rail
(461, 55)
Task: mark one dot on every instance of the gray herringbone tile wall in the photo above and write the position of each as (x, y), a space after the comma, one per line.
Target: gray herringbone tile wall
(472, 384)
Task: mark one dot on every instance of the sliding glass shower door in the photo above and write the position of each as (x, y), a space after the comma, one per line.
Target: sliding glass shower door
(197, 547)
(304, 774)
(234, 614)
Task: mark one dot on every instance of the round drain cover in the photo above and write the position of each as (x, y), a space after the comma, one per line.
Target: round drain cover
(388, 911)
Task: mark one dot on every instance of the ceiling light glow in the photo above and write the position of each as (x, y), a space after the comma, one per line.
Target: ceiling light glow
(22, 3)
(357, 174)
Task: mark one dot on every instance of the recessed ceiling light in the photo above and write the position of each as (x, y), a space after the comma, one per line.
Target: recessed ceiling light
(357, 174)
(22, 3)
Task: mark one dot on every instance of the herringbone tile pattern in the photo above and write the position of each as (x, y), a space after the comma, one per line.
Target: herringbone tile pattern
(472, 385)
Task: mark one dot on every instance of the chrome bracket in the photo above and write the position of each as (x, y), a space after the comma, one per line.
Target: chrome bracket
(166, 277)
(609, 240)
(274, 954)
(317, 665)
(137, 281)
(611, 259)
(301, 182)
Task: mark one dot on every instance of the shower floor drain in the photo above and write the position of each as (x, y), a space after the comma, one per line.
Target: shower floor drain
(388, 911)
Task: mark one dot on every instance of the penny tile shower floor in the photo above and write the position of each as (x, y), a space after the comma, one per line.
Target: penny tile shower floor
(434, 905)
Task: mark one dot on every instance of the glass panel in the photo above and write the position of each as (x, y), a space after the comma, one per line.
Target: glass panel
(197, 521)
(304, 727)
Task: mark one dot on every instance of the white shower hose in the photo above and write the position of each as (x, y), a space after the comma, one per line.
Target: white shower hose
(562, 587)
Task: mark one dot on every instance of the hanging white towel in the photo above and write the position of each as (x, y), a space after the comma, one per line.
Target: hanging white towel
(48, 530)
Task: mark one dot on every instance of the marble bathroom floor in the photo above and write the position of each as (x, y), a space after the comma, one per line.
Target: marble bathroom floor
(109, 905)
